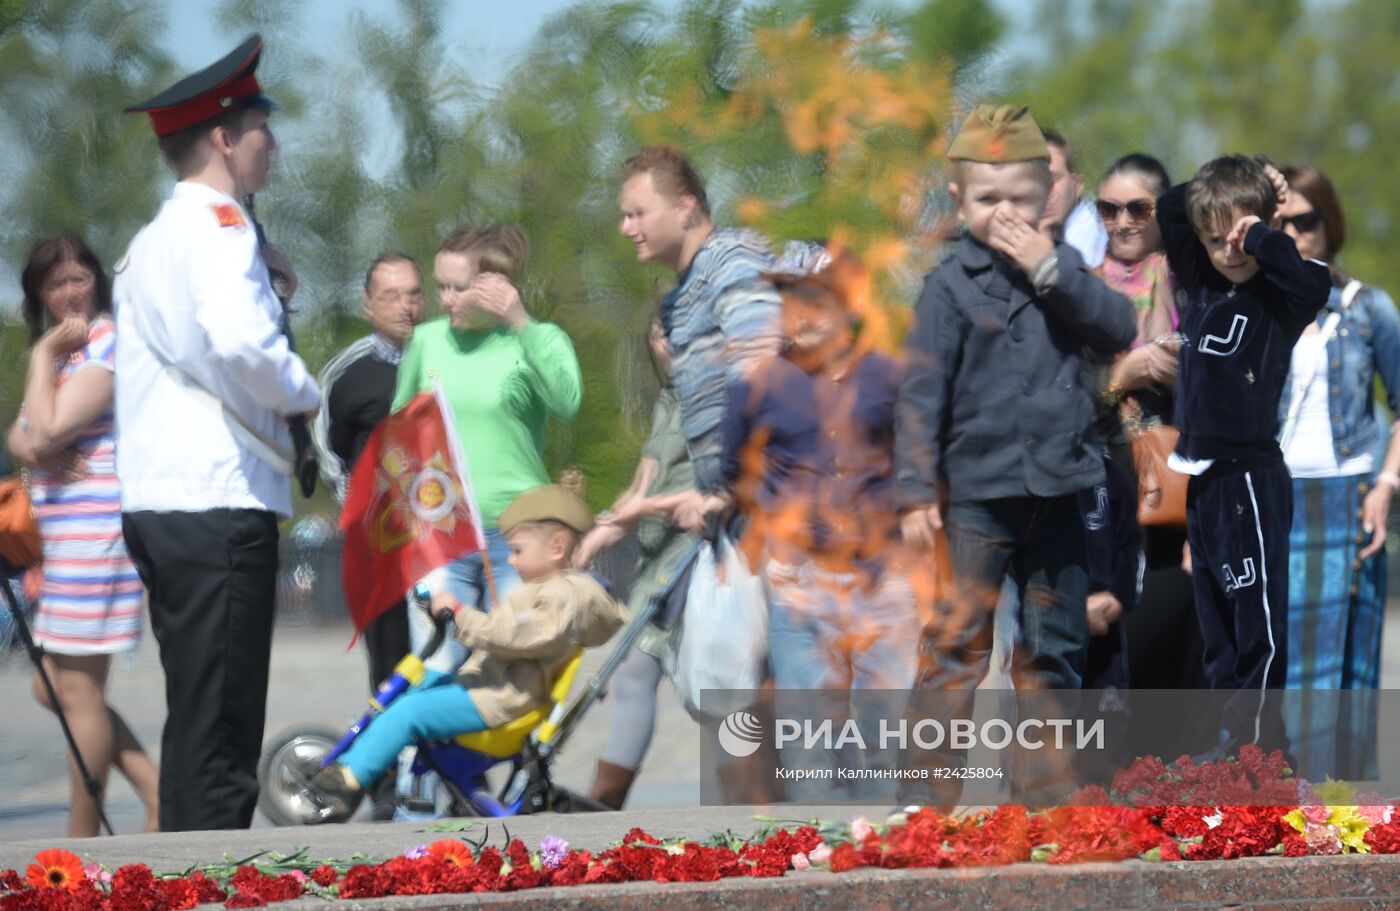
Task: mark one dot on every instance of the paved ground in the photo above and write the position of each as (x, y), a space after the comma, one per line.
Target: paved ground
(315, 680)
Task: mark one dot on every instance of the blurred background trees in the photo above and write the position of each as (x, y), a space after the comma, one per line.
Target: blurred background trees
(811, 119)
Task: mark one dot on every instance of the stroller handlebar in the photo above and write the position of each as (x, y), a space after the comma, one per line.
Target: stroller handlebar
(423, 598)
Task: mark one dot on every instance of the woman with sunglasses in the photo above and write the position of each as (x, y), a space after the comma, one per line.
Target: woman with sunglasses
(1162, 637)
(1330, 437)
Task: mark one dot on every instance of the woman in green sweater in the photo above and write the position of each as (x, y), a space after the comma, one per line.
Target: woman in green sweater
(503, 375)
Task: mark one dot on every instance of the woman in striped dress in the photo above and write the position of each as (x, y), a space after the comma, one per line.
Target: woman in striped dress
(90, 603)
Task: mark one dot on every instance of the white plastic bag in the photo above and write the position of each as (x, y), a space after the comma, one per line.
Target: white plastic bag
(721, 642)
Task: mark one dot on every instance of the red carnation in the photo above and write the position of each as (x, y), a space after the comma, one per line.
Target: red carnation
(488, 871)
(245, 900)
(634, 858)
(207, 889)
(845, 857)
(134, 888)
(1294, 844)
(180, 894)
(1243, 832)
(1384, 839)
(571, 870)
(523, 874)
(1187, 822)
(605, 872)
(324, 876)
(361, 881)
(86, 897)
(702, 863)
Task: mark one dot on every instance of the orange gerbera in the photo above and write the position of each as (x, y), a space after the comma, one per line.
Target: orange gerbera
(55, 869)
(452, 851)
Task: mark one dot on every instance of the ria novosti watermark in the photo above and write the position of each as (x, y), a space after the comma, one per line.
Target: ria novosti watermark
(741, 734)
(1039, 746)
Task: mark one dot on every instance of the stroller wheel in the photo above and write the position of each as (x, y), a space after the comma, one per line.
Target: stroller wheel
(562, 800)
(288, 764)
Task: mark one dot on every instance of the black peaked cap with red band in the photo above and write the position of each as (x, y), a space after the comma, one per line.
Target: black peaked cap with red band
(223, 86)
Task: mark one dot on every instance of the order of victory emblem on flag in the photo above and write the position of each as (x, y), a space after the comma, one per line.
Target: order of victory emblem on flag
(412, 497)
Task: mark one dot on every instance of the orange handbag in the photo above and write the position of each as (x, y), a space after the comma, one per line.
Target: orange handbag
(19, 530)
(1161, 491)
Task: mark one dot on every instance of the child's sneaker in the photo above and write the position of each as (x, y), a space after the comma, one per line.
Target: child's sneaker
(337, 791)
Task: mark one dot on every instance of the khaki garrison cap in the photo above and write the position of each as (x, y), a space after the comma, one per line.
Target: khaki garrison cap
(999, 135)
(544, 503)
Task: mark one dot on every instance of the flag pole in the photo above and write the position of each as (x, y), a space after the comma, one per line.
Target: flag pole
(489, 573)
(460, 463)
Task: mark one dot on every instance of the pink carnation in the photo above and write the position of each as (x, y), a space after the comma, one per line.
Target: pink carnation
(96, 873)
(1376, 814)
(1323, 839)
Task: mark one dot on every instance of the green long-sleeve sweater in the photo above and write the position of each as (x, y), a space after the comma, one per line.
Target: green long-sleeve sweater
(501, 386)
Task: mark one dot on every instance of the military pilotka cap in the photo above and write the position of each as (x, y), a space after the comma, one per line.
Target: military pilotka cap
(838, 272)
(999, 135)
(548, 502)
(227, 85)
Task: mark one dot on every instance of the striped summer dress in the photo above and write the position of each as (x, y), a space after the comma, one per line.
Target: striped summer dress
(90, 603)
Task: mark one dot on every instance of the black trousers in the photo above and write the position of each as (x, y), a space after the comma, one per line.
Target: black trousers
(386, 640)
(1238, 515)
(212, 580)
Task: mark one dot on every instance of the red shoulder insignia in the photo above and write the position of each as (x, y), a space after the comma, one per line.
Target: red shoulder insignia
(229, 215)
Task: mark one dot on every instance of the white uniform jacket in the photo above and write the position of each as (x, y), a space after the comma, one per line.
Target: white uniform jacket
(194, 304)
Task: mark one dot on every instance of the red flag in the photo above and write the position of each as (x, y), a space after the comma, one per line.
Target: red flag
(409, 509)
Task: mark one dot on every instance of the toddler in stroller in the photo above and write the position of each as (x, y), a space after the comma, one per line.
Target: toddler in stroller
(519, 651)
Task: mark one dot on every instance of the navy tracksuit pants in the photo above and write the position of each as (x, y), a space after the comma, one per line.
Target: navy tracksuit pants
(1238, 516)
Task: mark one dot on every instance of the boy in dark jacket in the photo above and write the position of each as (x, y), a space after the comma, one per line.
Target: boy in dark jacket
(1251, 296)
(993, 423)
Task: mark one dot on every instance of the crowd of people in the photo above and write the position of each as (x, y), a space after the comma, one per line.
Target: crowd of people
(1136, 434)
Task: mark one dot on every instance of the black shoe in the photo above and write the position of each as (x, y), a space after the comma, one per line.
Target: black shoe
(332, 789)
(382, 799)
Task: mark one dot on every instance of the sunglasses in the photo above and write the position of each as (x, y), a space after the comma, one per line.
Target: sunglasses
(1304, 223)
(1139, 210)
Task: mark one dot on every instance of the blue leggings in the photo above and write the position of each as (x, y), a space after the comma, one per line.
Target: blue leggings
(439, 708)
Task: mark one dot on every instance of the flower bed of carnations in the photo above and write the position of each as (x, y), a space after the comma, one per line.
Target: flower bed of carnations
(1147, 813)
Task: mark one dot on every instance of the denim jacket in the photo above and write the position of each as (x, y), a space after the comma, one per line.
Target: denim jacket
(1367, 341)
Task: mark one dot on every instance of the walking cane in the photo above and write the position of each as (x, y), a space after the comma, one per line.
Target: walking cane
(36, 655)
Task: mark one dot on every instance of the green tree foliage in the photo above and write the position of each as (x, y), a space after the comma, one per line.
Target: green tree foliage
(1297, 81)
(72, 162)
(810, 119)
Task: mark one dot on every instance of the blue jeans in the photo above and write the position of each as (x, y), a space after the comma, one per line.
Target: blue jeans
(465, 579)
(439, 708)
(825, 633)
(838, 651)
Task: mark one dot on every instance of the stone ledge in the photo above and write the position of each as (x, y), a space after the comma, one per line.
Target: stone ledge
(1274, 883)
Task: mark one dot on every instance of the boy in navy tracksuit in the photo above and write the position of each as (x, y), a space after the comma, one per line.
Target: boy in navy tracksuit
(1251, 296)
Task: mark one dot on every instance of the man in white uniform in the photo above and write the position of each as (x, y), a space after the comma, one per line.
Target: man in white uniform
(205, 383)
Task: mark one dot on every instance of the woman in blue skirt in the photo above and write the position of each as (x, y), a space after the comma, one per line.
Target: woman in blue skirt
(1341, 498)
